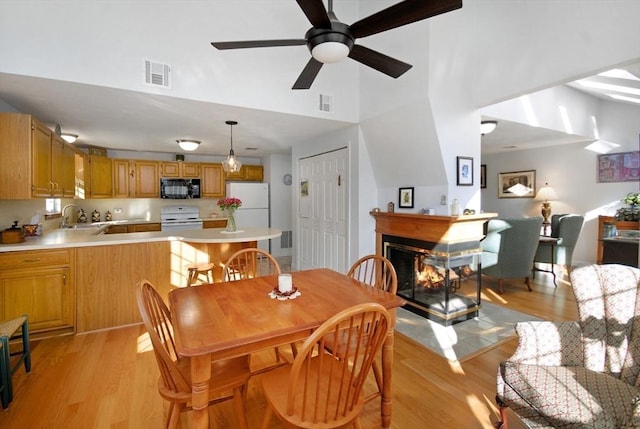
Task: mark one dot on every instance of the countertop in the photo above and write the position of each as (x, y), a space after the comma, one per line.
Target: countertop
(82, 237)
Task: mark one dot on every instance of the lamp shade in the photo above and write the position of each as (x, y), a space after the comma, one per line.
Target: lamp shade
(188, 145)
(546, 193)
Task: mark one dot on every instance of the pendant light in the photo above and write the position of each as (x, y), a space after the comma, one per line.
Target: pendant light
(231, 164)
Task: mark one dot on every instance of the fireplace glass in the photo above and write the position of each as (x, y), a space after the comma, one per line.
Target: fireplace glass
(428, 279)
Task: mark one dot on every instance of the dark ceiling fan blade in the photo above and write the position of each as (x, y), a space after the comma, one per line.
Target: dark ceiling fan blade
(315, 12)
(308, 74)
(258, 43)
(381, 62)
(401, 14)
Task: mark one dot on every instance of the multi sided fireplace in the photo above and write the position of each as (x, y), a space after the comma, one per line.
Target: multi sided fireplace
(428, 278)
(432, 255)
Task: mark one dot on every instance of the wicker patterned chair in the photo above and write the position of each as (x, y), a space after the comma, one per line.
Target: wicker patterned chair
(582, 374)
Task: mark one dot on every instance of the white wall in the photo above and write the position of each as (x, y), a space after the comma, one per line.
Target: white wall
(280, 198)
(572, 171)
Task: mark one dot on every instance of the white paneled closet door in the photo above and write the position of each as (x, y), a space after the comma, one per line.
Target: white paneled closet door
(322, 212)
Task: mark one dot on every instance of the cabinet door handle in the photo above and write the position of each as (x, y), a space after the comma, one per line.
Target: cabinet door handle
(31, 260)
(64, 279)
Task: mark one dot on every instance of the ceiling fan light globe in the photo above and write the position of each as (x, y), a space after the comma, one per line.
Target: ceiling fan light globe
(330, 52)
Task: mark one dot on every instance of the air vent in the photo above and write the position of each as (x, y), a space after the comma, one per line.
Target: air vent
(326, 103)
(251, 148)
(157, 74)
(286, 240)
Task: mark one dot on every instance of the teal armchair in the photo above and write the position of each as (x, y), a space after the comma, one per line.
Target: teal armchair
(509, 247)
(566, 228)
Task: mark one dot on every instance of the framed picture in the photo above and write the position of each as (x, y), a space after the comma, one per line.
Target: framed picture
(405, 198)
(465, 170)
(517, 184)
(483, 175)
(619, 167)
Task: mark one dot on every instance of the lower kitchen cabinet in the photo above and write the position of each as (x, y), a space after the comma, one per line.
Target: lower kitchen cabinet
(214, 223)
(40, 285)
(107, 278)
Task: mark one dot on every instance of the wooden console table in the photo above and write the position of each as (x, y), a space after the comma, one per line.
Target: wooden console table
(620, 225)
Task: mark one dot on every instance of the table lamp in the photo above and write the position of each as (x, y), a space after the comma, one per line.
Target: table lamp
(546, 194)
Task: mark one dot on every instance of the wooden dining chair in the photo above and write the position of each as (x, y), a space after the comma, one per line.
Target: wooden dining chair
(250, 263)
(322, 388)
(376, 271)
(228, 375)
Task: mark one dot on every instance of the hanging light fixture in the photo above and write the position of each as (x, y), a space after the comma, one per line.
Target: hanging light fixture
(231, 164)
(188, 145)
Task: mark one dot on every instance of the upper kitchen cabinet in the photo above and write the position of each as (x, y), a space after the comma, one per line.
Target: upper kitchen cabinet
(36, 162)
(100, 177)
(211, 181)
(180, 169)
(136, 179)
(253, 173)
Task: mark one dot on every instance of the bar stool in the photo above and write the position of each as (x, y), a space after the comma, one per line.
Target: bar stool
(196, 270)
(8, 331)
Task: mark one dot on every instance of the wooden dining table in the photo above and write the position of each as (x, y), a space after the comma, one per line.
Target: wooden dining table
(228, 319)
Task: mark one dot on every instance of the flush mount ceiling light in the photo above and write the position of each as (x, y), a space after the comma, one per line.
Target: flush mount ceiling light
(231, 164)
(487, 127)
(69, 138)
(188, 145)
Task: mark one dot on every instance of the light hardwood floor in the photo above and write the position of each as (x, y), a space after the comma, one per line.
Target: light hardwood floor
(109, 379)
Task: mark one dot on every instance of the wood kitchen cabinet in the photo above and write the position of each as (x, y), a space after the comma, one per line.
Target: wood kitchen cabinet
(136, 179)
(133, 227)
(36, 162)
(211, 181)
(40, 284)
(214, 223)
(180, 169)
(250, 173)
(100, 177)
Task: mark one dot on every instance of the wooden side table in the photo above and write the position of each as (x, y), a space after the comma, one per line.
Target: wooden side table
(551, 243)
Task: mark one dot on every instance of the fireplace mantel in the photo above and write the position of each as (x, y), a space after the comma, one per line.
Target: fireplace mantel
(435, 229)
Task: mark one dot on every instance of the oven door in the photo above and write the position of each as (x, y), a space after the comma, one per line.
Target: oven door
(178, 225)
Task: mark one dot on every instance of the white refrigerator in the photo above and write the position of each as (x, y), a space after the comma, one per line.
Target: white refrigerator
(254, 211)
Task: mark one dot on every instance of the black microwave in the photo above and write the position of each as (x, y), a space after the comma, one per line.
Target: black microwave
(179, 189)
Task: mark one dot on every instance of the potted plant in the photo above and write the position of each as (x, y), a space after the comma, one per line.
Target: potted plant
(631, 213)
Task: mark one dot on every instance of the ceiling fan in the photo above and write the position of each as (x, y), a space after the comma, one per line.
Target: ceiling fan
(330, 40)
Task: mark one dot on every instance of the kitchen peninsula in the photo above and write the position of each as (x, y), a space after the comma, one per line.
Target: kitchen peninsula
(77, 280)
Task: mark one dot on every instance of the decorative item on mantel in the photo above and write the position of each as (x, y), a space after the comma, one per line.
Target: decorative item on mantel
(230, 205)
(631, 213)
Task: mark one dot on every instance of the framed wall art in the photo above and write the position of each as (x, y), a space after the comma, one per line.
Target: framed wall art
(619, 167)
(517, 184)
(464, 170)
(483, 175)
(405, 198)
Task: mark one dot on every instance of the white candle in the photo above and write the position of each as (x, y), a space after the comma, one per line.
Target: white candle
(285, 283)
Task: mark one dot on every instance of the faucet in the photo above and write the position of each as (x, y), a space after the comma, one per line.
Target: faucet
(63, 222)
